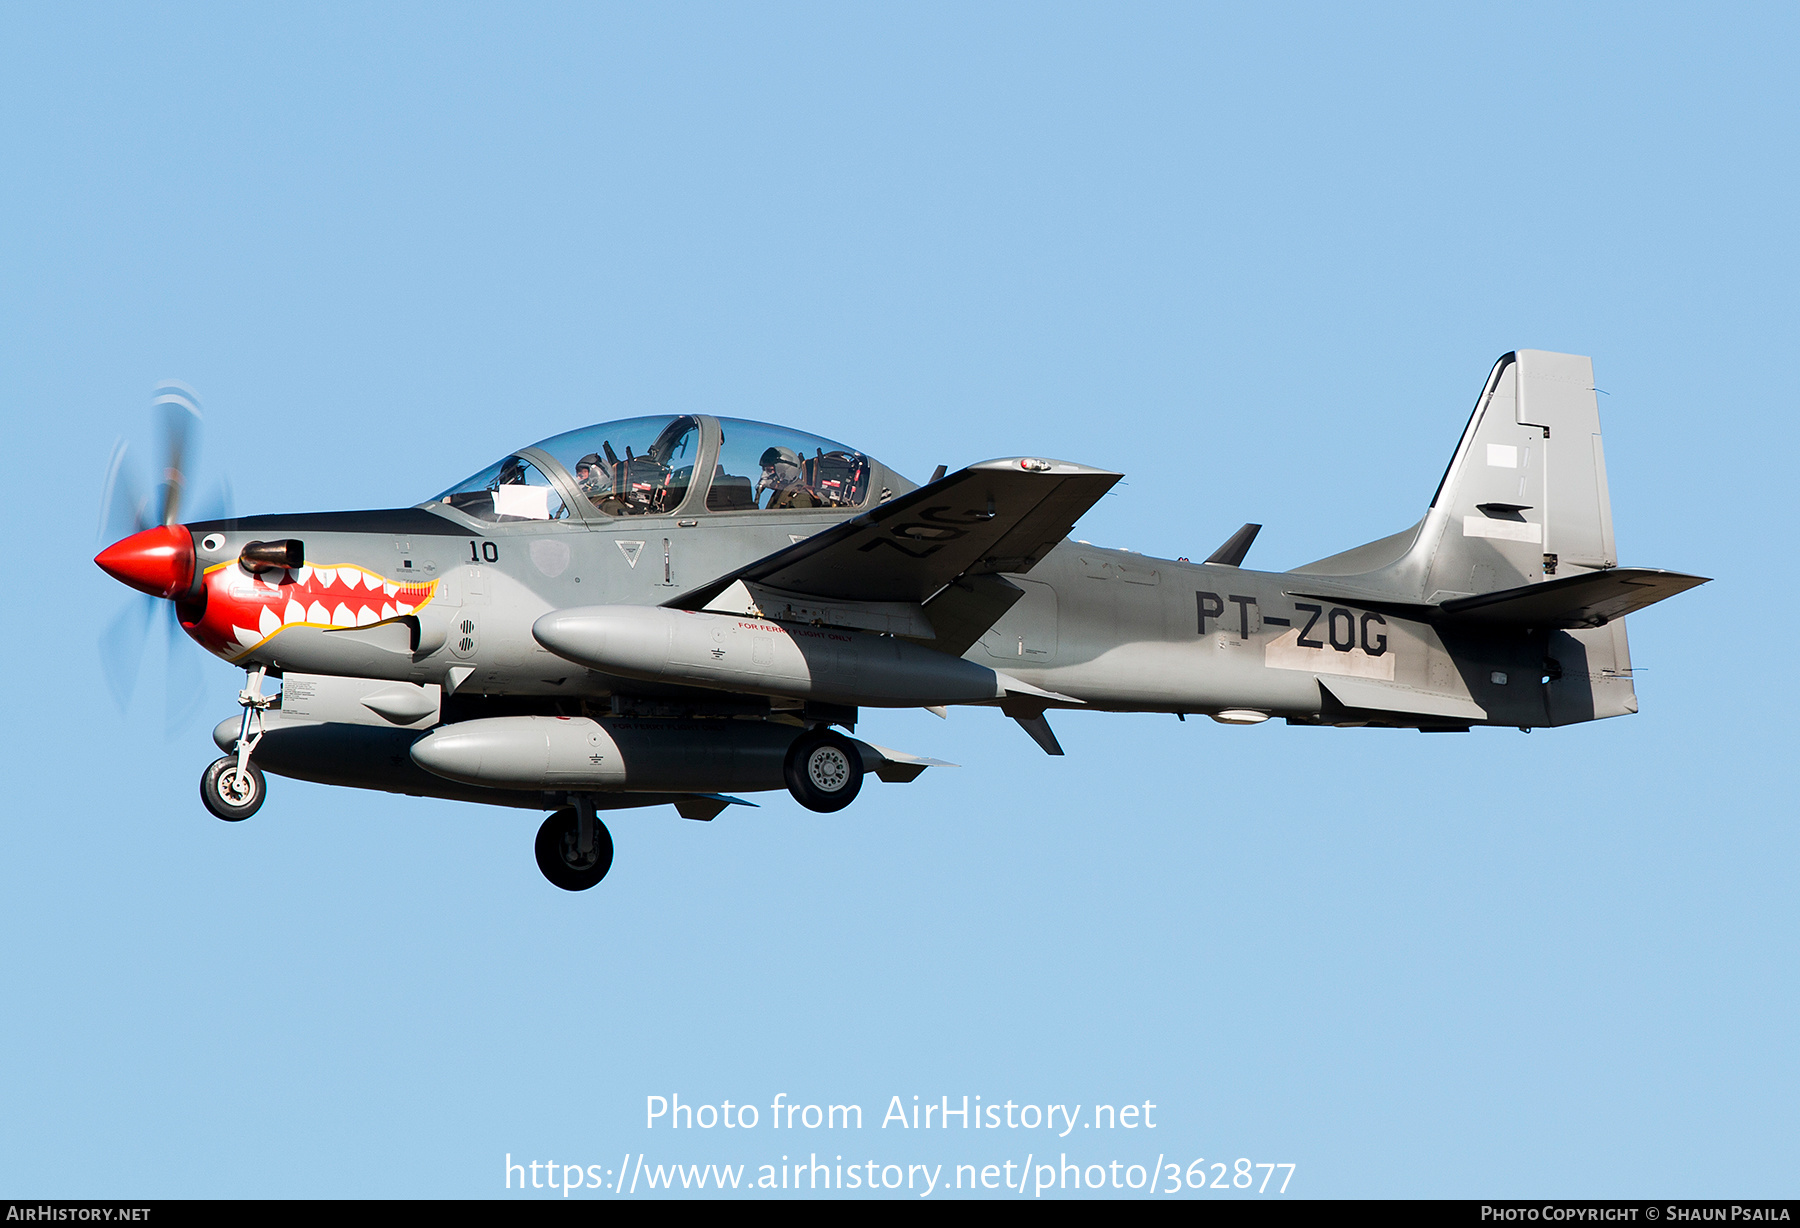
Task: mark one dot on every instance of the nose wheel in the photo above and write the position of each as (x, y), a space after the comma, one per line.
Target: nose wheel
(231, 792)
(570, 857)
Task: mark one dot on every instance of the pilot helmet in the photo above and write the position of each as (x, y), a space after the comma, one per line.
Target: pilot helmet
(592, 463)
(781, 468)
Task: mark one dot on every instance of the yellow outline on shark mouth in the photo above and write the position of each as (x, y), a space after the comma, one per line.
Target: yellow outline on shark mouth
(350, 582)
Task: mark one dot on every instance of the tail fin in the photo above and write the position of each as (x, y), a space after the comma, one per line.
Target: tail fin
(1524, 496)
(1524, 500)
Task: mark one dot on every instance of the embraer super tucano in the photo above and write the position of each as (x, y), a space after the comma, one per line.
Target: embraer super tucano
(672, 610)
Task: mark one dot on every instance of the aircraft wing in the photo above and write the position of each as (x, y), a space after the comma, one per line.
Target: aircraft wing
(997, 516)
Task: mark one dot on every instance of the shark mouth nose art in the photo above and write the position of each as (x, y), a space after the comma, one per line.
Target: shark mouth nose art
(244, 611)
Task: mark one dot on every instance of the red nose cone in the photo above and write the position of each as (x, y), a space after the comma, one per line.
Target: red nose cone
(158, 561)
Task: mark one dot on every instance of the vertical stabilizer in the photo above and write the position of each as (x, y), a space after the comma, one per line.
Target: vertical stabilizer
(1524, 496)
(1523, 500)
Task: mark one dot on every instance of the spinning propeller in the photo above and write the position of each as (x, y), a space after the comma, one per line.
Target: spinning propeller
(154, 554)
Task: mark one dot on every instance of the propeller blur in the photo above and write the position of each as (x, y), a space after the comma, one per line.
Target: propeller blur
(154, 554)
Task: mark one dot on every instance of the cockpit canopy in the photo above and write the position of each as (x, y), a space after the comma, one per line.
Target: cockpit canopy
(667, 465)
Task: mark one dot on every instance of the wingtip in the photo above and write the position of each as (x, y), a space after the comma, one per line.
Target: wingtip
(1044, 464)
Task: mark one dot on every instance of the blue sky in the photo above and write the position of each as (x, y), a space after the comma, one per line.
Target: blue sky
(1260, 261)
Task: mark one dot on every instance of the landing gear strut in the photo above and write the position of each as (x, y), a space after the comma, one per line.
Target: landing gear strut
(232, 787)
(824, 770)
(574, 849)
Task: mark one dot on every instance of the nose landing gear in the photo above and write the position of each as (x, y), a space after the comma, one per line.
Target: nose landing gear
(233, 787)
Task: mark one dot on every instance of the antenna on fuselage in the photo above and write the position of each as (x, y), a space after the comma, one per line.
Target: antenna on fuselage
(1232, 553)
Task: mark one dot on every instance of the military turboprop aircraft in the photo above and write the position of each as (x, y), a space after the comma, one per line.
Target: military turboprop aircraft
(677, 609)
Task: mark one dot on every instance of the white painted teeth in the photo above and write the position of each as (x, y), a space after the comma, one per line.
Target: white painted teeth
(348, 574)
(365, 615)
(248, 639)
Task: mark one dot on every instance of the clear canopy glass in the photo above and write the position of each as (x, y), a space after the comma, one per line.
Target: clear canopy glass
(646, 466)
(633, 467)
(508, 490)
(771, 468)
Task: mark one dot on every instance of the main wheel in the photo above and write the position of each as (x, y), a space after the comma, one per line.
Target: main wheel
(824, 771)
(232, 797)
(559, 853)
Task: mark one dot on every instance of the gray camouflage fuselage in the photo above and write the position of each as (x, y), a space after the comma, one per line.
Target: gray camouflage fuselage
(1503, 606)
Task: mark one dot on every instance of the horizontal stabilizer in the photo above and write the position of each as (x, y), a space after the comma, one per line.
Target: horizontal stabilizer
(1591, 599)
(997, 516)
(1371, 695)
(1587, 599)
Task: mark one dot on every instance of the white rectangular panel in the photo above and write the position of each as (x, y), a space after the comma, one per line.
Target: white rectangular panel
(525, 502)
(1502, 530)
(1285, 652)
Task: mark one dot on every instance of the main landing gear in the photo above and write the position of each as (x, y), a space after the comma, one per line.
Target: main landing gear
(233, 787)
(824, 770)
(574, 849)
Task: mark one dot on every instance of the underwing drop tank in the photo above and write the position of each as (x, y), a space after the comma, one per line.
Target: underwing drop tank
(744, 654)
(560, 752)
(553, 753)
(614, 755)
